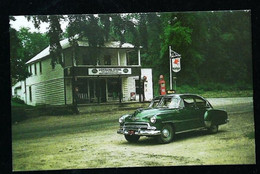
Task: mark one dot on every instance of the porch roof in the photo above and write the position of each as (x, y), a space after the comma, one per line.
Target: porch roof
(66, 44)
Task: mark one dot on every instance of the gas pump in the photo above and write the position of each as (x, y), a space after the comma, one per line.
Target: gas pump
(162, 88)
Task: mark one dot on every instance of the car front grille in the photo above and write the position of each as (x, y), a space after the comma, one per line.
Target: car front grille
(136, 126)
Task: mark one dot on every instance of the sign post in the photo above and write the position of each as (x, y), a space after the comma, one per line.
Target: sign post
(170, 49)
(175, 66)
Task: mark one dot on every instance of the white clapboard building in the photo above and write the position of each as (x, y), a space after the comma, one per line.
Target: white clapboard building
(112, 73)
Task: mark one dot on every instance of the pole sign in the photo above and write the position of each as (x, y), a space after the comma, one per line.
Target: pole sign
(176, 61)
(176, 64)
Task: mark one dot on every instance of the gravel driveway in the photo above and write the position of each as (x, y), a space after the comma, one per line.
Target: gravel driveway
(91, 141)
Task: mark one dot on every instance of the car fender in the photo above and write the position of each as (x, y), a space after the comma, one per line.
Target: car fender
(215, 116)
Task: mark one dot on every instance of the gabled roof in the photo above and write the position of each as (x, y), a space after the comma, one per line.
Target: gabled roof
(66, 44)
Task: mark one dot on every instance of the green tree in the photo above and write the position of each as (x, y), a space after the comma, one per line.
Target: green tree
(32, 43)
(54, 33)
(215, 46)
(18, 68)
(23, 46)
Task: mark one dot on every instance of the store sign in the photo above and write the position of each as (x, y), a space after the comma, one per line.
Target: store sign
(109, 71)
(176, 64)
(171, 91)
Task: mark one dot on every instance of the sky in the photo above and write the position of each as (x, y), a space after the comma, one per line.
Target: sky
(21, 21)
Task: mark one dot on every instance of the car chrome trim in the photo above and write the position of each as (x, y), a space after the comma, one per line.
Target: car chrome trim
(140, 132)
(138, 125)
(140, 128)
(179, 121)
(200, 128)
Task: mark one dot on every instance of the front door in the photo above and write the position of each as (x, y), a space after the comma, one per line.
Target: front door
(113, 88)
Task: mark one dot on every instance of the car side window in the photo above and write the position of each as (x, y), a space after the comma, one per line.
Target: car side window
(181, 104)
(200, 103)
(188, 102)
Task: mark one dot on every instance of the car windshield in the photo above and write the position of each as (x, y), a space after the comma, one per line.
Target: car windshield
(154, 103)
(169, 102)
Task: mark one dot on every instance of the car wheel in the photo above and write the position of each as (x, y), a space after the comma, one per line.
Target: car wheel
(213, 129)
(132, 138)
(167, 134)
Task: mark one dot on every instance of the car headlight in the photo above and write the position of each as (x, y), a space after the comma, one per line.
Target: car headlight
(121, 119)
(153, 119)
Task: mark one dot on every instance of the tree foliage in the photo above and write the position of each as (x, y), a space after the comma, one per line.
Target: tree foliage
(215, 46)
(23, 46)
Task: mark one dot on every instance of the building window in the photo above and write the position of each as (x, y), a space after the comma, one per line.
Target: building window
(138, 87)
(30, 93)
(35, 69)
(107, 60)
(88, 61)
(40, 64)
(62, 58)
(30, 69)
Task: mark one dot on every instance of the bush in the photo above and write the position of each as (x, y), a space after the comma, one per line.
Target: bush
(55, 110)
(189, 89)
(17, 100)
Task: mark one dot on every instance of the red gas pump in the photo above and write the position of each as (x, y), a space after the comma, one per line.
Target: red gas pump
(162, 88)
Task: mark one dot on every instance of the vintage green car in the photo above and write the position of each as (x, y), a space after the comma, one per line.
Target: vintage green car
(170, 114)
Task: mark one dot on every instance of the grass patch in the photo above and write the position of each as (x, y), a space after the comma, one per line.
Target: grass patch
(215, 93)
(18, 110)
(226, 94)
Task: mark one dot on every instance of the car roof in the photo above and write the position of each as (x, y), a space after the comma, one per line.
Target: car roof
(181, 95)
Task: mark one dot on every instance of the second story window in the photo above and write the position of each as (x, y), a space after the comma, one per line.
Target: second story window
(40, 64)
(107, 60)
(88, 61)
(30, 69)
(35, 69)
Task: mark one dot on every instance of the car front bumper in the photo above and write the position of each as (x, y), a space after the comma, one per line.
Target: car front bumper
(140, 132)
(138, 128)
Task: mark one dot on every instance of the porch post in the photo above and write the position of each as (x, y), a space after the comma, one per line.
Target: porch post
(140, 87)
(120, 89)
(88, 90)
(139, 57)
(94, 88)
(118, 57)
(106, 91)
(98, 89)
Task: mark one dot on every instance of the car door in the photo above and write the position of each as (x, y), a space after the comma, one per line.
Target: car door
(201, 108)
(188, 117)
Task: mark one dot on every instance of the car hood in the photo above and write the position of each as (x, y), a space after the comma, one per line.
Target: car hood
(142, 114)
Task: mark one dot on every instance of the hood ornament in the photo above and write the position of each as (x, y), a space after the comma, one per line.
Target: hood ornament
(134, 118)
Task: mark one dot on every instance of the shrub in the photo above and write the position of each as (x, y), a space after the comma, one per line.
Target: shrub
(17, 100)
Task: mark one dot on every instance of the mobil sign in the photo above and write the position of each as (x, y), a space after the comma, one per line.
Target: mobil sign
(176, 64)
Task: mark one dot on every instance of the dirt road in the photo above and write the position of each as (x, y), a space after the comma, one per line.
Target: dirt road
(91, 141)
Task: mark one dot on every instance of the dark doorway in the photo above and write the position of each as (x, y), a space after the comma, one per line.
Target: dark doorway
(90, 90)
(113, 89)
